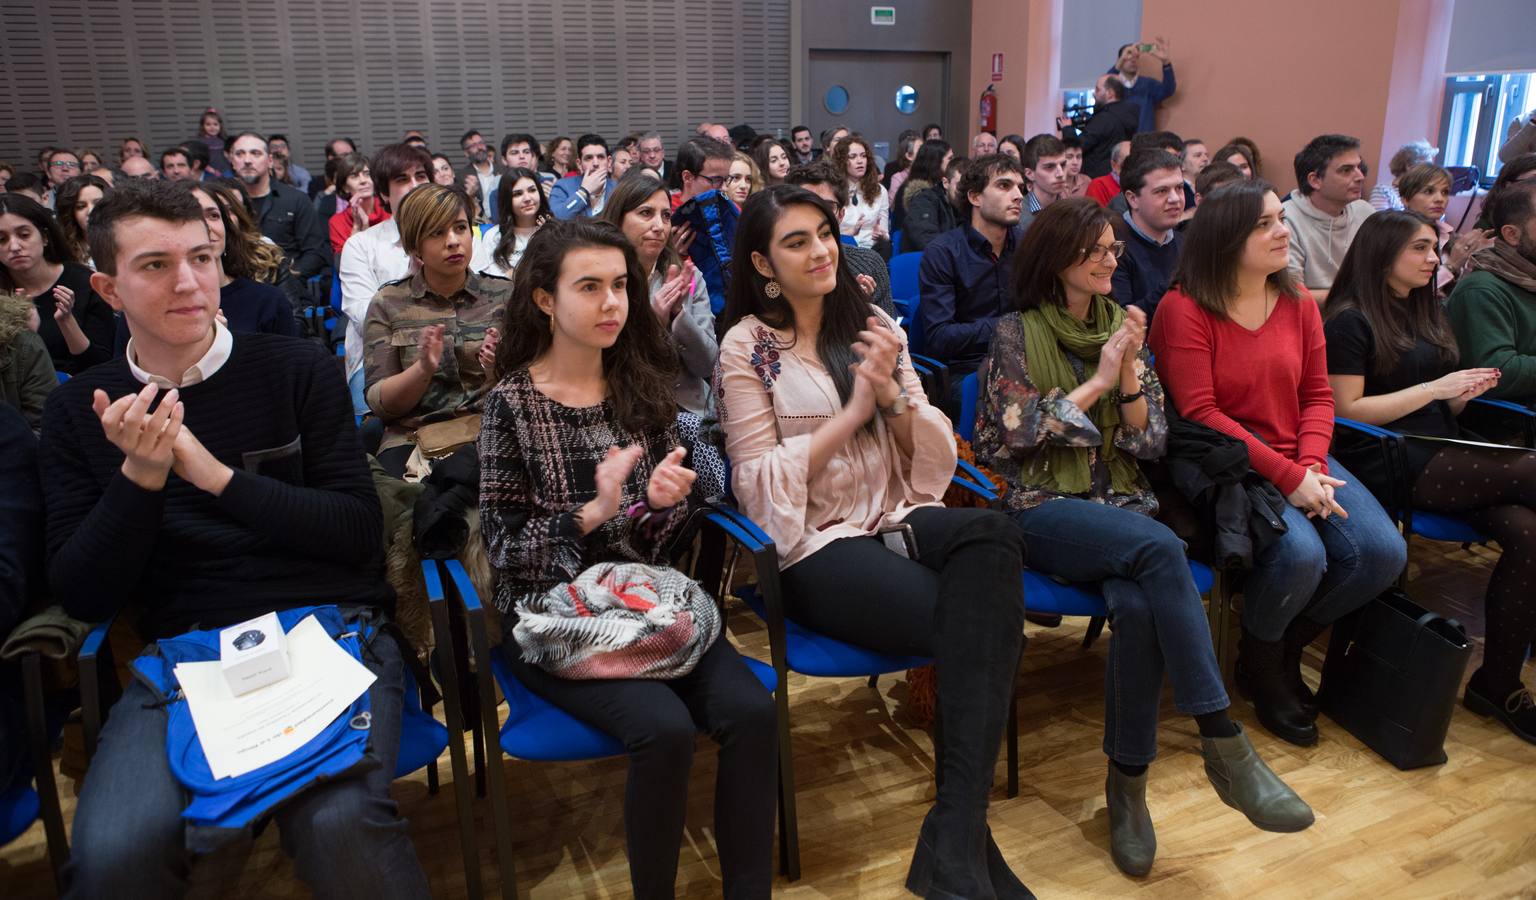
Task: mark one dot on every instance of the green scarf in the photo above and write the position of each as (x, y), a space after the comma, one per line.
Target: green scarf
(1050, 332)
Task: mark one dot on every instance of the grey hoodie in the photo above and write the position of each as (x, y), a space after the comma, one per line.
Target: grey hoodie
(1318, 240)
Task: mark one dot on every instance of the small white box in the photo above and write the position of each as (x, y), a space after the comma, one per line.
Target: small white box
(253, 654)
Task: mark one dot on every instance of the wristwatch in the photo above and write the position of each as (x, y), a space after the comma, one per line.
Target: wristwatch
(898, 406)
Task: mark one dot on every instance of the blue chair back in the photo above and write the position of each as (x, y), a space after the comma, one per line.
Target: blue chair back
(63, 376)
(486, 226)
(850, 240)
(904, 285)
(970, 390)
(896, 242)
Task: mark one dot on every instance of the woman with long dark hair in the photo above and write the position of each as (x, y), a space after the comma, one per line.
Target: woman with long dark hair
(832, 441)
(867, 218)
(72, 205)
(927, 170)
(35, 260)
(773, 160)
(1068, 403)
(521, 208)
(1239, 345)
(1392, 361)
(580, 465)
(641, 208)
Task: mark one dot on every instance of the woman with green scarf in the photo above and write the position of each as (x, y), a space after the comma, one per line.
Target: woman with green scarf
(1068, 402)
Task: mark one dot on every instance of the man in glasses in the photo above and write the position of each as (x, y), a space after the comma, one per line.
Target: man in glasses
(704, 164)
(61, 166)
(1153, 186)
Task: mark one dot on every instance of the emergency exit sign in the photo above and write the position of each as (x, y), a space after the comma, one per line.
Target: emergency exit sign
(882, 15)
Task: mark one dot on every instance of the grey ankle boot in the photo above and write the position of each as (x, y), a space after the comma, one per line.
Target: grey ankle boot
(1132, 842)
(1246, 784)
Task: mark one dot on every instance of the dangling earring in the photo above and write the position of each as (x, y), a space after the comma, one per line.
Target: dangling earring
(551, 323)
(772, 289)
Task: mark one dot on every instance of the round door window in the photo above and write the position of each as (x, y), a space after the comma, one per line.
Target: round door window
(836, 100)
(906, 99)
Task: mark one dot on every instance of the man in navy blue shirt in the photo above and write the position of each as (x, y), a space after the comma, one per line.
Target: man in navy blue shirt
(1147, 93)
(965, 276)
(1153, 185)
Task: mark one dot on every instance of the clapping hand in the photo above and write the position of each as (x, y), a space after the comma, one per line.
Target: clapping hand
(145, 438)
(676, 287)
(670, 481)
(610, 476)
(682, 238)
(866, 284)
(1135, 330)
(877, 349)
(487, 354)
(1464, 384)
(63, 303)
(430, 348)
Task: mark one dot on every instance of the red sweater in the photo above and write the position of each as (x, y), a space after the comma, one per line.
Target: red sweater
(1272, 382)
(1103, 189)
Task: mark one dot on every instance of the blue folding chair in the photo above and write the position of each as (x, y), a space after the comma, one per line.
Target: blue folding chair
(1050, 595)
(1424, 523)
(849, 240)
(904, 284)
(62, 376)
(536, 730)
(896, 242)
(486, 226)
(37, 796)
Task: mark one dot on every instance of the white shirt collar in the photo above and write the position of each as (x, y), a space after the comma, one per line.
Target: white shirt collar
(202, 370)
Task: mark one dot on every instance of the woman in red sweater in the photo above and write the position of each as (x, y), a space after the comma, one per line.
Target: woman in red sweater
(1239, 346)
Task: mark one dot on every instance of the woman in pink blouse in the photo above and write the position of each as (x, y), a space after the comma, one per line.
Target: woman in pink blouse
(832, 442)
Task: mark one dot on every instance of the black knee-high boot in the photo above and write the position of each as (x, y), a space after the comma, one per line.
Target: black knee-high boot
(980, 625)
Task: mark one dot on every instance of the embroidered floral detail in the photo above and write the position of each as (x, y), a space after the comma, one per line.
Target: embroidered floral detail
(1012, 418)
(765, 355)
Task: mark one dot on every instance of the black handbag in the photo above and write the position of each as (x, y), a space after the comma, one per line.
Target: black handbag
(1391, 677)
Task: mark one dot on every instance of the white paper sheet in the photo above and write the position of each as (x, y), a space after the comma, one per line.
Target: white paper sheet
(242, 734)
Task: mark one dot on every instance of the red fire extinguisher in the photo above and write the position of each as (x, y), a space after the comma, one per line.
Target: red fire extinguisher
(989, 109)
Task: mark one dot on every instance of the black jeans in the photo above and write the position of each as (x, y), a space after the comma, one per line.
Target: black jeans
(659, 721)
(961, 602)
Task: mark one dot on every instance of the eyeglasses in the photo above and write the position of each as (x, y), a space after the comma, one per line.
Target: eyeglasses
(714, 181)
(63, 164)
(1099, 251)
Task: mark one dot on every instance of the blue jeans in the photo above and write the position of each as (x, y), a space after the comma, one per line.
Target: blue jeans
(1324, 568)
(1154, 608)
(345, 836)
(355, 387)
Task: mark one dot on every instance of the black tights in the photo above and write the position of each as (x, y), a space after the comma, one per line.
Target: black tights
(1496, 491)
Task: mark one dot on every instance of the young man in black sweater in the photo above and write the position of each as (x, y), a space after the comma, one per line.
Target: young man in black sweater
(244, 490)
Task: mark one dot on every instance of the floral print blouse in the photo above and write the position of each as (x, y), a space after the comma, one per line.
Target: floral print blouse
(1013, 420)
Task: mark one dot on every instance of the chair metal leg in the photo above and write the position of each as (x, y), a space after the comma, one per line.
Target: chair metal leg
(432, 782)
(42, 763)
(874, 681)
(1095, 628)
(789, 826)
(500, 813)
(448, 672)
(478, 742)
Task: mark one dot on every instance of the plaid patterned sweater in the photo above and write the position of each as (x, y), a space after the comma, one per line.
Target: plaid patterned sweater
(538, 465)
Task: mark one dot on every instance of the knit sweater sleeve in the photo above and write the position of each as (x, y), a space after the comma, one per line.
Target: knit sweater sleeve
(1485, 315)
(336, 512)
(1314, 431)
(1183, 339)
(99, 540)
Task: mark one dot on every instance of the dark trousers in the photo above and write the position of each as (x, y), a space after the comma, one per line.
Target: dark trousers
(961, 601)
(345, 836)
(659, 721)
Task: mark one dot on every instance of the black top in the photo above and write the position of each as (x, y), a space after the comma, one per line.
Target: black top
(249, 307)
(289, 220)
(21, 520)
(299, 523)
(1111, 124)
(93, 314)
(1351, 351)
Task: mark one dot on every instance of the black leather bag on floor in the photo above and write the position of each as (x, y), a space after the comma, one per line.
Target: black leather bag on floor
(1391, 677)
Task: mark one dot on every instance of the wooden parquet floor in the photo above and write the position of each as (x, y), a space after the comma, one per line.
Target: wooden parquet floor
(1464, 829)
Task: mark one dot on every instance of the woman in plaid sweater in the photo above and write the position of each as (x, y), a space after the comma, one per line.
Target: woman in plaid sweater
(580, 464)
